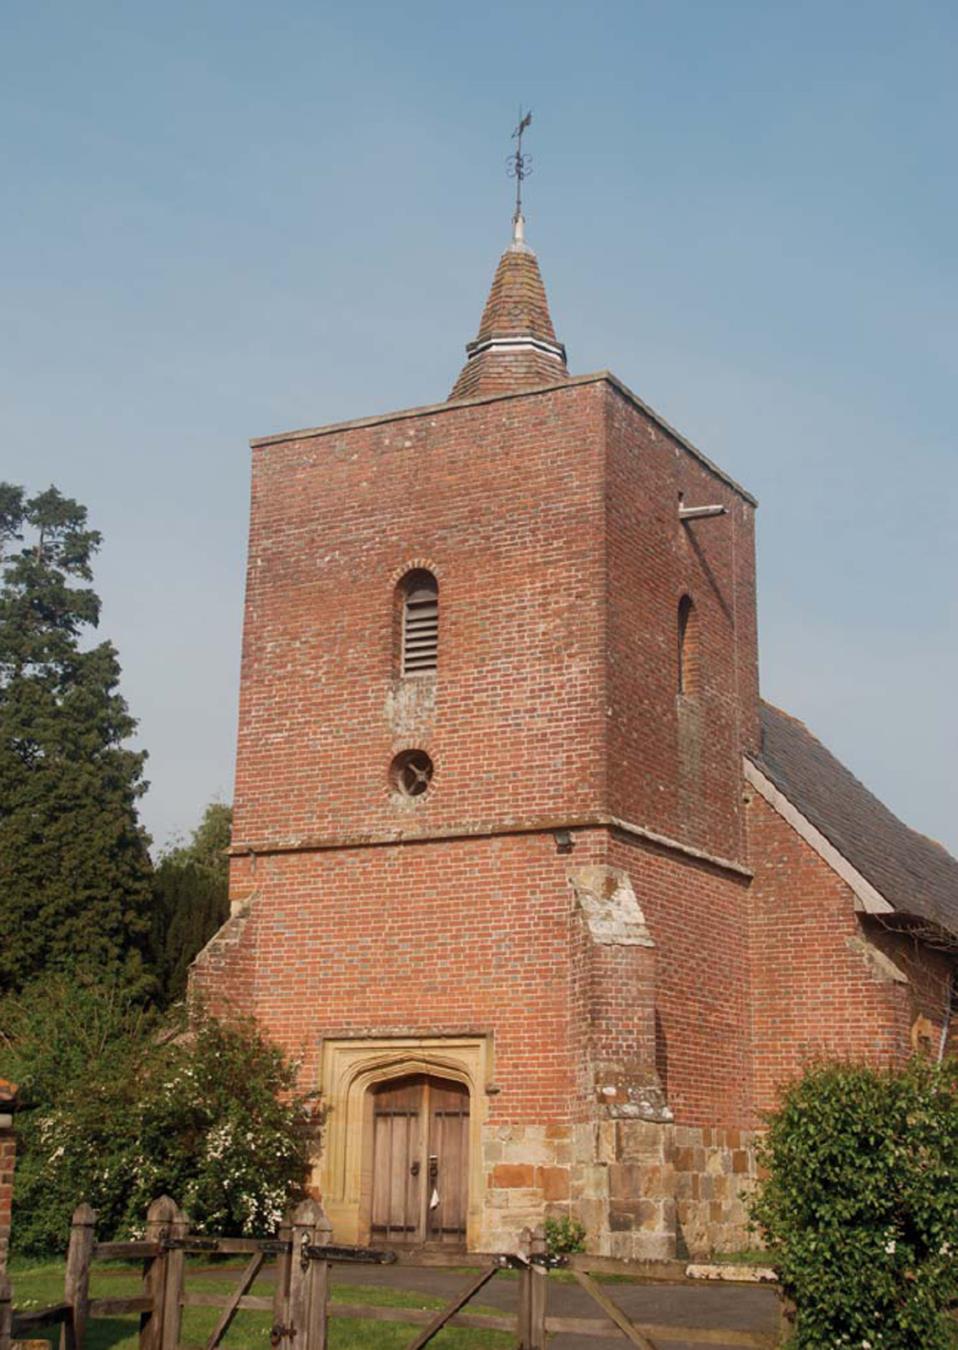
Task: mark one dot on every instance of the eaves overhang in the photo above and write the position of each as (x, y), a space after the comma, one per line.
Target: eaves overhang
(868, 900)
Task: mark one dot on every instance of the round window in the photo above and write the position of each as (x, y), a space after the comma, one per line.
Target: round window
(412, 773)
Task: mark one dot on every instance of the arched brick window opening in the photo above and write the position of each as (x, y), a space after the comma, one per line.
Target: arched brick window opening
(419, 594)
(689, 668)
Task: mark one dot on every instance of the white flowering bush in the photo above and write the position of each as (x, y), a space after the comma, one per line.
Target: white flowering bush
(859, 1206)
(121, 1106)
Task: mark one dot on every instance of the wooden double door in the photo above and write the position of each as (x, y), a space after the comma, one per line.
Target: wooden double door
(420, 1161)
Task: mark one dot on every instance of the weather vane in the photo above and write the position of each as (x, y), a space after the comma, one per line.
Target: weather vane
(520, 165)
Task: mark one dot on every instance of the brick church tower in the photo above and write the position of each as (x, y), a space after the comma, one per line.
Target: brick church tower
(542, 895)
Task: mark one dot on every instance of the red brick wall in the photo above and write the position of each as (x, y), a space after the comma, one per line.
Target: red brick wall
(812, 993)
(503, 501)
(8, 1156)
(551, 523)
(675, 763)
(697, 916)
(930, 973)
(224, 972)
(469, 935)
(480, 934)
(613, 993)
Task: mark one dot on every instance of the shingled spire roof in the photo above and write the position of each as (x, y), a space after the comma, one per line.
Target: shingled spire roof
(516, 346)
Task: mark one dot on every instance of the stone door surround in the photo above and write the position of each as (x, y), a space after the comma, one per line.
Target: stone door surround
(349, 1067)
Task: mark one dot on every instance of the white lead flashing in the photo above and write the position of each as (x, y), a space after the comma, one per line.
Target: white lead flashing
(524, 342)
(867, 899)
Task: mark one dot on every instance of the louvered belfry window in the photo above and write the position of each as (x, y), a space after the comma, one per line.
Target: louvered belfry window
(420, 624)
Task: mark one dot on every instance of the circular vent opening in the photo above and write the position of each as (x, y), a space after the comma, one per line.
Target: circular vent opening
(411, 773)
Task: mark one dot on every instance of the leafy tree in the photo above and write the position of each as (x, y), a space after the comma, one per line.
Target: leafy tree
(211, 839)
(859, 1207)
(74, 868)
(208, 844)
(121, 1105)
(191, 900)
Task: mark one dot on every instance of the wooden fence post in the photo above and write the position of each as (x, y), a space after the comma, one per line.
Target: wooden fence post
(6, 1310)
(159, 1216)
(281, 1288)
(318, 1331)
(525, 1289)
(76, 1285)
(173, 1292)
(786, 1319)
(306, 1218)
(538, 1291)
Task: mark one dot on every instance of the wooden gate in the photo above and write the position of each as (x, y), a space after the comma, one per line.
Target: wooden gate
(420, 1162)
(300, 1306)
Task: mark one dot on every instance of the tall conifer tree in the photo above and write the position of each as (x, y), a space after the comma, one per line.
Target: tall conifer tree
(74, 868)
(191, 888)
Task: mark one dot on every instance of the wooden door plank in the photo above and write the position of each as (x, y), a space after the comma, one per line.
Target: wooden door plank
(614, 1312)
(423, 1145)
(448, 1142)
(233, 1302)
(396, 1192)
(441, 1318)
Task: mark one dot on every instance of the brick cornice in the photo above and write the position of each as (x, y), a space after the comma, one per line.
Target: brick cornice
(548, 825)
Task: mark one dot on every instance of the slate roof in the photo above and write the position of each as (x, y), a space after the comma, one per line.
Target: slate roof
(914, 874)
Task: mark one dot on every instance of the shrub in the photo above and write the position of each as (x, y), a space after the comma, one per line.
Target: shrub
(859, 1206)
(564, 1235)
(121, 1107)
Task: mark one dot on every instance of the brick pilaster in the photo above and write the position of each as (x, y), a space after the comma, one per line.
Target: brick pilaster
(8, 1153)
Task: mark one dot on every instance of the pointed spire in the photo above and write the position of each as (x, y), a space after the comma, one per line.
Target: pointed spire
(516, 346)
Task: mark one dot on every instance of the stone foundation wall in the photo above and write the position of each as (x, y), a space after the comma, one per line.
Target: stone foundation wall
(528, 1176)
(626, 1196)
(643, 1190)
(714, 1170)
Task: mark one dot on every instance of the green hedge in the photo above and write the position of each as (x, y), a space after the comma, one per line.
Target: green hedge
(859, 1207)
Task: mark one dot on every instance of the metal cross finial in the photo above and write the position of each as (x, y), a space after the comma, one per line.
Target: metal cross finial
(519, 165)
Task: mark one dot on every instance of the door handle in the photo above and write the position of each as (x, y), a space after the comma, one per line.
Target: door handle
(414, 1168)
(433, 1167)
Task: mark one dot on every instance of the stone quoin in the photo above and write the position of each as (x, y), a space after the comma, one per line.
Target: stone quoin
(544, 896)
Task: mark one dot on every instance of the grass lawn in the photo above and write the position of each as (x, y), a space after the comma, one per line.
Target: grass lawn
(36, 1285)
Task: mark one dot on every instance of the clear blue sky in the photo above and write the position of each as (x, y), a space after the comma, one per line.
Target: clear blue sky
(226, 219)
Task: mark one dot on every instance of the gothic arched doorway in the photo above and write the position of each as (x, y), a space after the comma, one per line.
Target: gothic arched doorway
(420, 1163)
